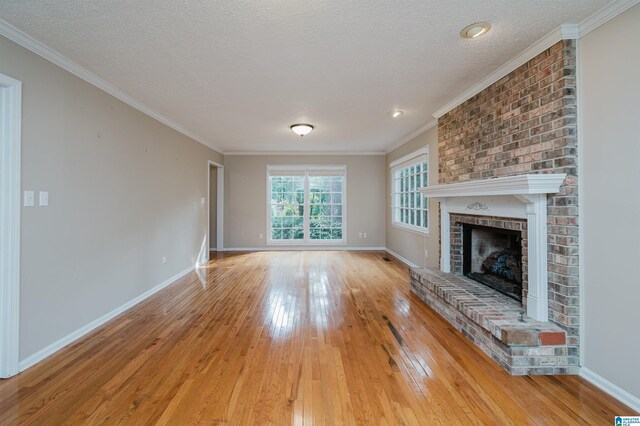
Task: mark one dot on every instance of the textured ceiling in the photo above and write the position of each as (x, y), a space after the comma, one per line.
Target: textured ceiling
(238, 73)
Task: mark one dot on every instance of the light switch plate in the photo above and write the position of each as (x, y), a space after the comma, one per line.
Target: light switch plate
(29, 198)
(44, 198)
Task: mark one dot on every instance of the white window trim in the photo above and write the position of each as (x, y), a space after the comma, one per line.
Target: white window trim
(305, 169)
(418, 156)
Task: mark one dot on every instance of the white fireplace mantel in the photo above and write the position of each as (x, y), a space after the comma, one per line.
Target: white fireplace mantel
(523, 197)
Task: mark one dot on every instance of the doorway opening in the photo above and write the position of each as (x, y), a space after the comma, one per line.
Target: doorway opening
(10, 148)
(215, 237)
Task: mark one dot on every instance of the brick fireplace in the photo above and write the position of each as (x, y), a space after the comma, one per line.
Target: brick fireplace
(491, 251)
(518, 132)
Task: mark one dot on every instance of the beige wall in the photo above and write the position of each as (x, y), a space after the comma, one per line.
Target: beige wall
(405, 243)
(609, 88)
(213, 207)
(124, 191)
(245, 197)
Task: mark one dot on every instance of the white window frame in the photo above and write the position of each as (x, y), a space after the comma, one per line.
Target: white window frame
(306, 169)
(419, 156)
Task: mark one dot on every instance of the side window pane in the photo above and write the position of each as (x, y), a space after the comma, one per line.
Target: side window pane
(287, 207)
(325, 215)
(409, 204)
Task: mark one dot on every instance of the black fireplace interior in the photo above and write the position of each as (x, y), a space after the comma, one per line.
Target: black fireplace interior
(493, 257)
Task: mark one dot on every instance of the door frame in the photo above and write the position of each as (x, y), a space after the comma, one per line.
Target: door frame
(219, 206)
(10, 178)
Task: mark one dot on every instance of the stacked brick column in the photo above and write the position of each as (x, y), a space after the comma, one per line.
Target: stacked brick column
(526, 123)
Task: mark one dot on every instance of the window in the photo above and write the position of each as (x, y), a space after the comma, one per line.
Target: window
(409, 205)
(306, 204)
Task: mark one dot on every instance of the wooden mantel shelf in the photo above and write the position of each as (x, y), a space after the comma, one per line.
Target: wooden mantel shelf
(510, 185)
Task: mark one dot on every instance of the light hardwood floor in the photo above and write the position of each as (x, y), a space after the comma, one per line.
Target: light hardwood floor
(289, 337)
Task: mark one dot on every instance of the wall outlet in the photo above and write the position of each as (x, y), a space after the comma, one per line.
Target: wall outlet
(261, 236)
(29, 199)
(202, 200)
(359, 234)
(164, 260)
(44, 199)
(365, 235)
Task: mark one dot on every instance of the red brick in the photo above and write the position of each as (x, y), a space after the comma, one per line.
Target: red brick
(552, 338)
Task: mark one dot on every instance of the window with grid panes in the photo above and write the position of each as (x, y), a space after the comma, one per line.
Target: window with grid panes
(306, 205)
(410, 207)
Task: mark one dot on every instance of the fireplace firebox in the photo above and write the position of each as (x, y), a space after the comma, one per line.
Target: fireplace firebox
(493, 257)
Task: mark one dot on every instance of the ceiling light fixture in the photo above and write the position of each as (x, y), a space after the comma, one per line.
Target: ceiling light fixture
(475, 30)
(301, 129)
(397, 114)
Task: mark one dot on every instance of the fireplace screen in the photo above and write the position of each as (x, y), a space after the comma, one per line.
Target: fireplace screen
(493, 257)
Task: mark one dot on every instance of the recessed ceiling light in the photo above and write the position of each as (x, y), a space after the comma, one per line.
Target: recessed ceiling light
(397, 113)
(301, 129)
(475, 30)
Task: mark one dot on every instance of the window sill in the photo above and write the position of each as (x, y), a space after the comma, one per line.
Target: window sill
(307, 243)
(414, 230)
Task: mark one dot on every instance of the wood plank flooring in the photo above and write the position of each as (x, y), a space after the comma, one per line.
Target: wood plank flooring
(289, 338)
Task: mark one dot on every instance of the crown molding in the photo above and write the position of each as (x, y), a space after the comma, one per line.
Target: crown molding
(17, 36)
(544, 43)
(564, 32)
(569, 31)
(604, 15)
(406, 138)
(300, 153)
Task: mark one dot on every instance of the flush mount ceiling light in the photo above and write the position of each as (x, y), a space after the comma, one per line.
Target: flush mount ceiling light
(397, 113)
(301, 129)
(475, 30)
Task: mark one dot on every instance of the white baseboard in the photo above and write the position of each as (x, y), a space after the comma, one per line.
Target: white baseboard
(613, 390)
(402, 259)
(309, 248)
(69, 338)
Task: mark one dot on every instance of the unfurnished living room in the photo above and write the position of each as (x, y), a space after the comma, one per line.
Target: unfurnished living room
(285, 212)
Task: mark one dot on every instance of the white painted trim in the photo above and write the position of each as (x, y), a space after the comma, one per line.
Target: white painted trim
(39, 48)
(537, 238)
(219, 206)
(581, 231)
(305, 248)
(412, 135)
(299, 153)
(10, 180)
(418, 156)
(510, 185)
(531, 190)
(69, 338)
(306, 168)
(615, 391)
(544, 43)
(415, 154)
(604, 15)
(565, 31)
(400, 258)
(445, 237)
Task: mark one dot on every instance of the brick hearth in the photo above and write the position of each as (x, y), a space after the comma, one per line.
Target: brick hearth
(492, 322)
